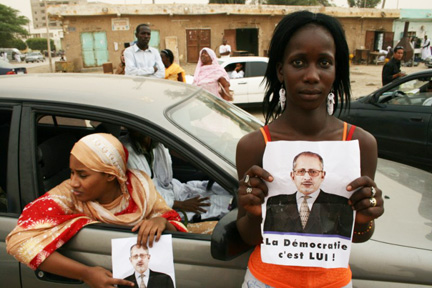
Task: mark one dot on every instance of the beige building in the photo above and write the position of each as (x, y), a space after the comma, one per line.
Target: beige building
(96, 33)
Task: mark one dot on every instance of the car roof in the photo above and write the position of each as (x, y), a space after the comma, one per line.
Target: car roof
(4, 64)
(86, 89)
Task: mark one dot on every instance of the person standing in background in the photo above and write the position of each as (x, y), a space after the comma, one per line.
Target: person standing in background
(121, 67)
(426, 52)
(173, 71)
(211, 76)
(224, 49)
(391, 70)
(141, 59)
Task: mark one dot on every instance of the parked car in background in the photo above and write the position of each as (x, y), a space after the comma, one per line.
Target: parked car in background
(9, 69)
(399, 115)
(34, 57)
(249, 90)
(39, 123)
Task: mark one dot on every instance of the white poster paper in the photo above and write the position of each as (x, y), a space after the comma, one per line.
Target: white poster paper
(160, 264)
(321, 173)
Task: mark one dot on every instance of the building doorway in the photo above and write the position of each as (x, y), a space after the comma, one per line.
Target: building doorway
(196, 39)
(247, 41)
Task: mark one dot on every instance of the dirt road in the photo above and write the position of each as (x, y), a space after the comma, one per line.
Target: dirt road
(364, 78)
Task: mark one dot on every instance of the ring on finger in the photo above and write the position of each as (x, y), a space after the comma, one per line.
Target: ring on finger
(373, 191)
(373, 202)
(246, 180)
(249, 190)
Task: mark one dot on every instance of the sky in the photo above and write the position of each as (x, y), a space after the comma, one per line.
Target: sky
(24, 5)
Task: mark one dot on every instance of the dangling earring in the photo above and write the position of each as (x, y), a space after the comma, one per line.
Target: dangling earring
(330, 103)
(282, 97)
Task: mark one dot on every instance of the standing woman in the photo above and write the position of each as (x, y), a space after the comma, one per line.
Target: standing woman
(100, 189)
(211, 76)
(173, 71)
(121, 67)
(304, 79)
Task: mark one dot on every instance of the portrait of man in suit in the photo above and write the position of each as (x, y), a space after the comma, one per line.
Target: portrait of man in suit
(143, 277)
(309, 210)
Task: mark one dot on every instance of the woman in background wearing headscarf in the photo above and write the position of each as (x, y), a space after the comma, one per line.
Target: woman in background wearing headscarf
(211, 76)
(101, 189)
(173, 71)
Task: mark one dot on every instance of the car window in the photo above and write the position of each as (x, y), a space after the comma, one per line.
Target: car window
(65, 121)
(255, 69)
(5, 121)
(416, 92)
(214, 122)
(56, 141)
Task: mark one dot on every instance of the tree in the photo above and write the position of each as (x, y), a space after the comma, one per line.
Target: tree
(299, 2)
(363, 3)
(227, 1)
(11, 26)
(19, 44)
(39, 44)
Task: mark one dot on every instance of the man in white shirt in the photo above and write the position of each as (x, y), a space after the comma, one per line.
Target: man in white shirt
(224, 49)
(238, 71)
(192, 197)
(141, 59)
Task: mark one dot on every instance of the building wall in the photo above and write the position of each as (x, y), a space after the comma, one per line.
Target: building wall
(175, 26)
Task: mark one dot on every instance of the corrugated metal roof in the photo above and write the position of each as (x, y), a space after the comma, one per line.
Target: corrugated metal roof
(92, 9)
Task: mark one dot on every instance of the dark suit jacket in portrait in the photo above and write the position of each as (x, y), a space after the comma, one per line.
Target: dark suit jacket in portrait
(330, 214)
(156, 280)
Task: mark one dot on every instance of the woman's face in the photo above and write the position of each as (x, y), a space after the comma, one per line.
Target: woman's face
(88, 185)
(122, 57)
(308, 68)
(165, 60)
(205, 58)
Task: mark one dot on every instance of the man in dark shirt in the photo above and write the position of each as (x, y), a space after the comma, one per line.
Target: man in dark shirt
(391, 69)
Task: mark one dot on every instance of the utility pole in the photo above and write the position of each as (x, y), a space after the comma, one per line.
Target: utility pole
(48, 36)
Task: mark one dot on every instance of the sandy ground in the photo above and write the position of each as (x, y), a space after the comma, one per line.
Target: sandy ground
(364, 78)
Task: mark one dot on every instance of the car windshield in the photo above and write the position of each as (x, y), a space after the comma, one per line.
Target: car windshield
(413, 92)
(214, 122)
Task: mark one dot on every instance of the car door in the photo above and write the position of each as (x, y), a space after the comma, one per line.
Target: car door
(254, 73)
(399, 118)
(39, 124)
(238, 85)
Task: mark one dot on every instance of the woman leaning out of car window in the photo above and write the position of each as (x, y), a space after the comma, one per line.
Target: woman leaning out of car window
(98, 191)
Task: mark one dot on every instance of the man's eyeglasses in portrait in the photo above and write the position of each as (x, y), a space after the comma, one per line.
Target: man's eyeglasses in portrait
(143, 256)
(311, 172)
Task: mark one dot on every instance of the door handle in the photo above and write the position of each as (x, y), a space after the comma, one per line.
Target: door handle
(416, 119)
(241, 83)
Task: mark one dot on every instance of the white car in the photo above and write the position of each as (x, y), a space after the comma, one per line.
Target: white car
(249, 90)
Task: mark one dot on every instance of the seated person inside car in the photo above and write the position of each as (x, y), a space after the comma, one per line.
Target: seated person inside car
(101, 188)
(238, 71)
(198, 199)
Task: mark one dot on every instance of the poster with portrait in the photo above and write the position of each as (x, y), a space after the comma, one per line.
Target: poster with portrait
(306, 217)
(153, 265)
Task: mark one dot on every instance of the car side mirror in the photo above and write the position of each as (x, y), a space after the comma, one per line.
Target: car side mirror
(226, 242)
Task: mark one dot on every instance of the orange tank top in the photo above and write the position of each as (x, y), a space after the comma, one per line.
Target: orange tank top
(280, 276)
